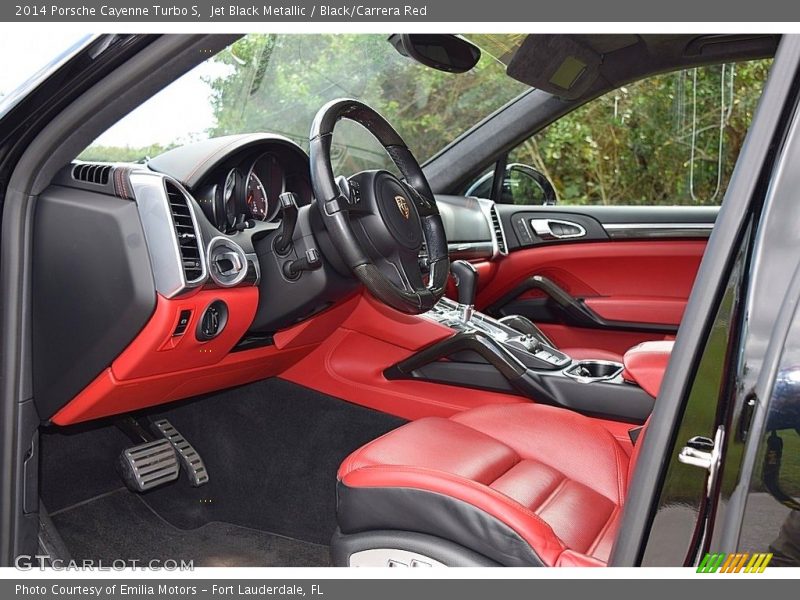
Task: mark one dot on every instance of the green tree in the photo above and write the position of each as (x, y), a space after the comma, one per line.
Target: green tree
(277, 83)
(656, 141)
(123, 153)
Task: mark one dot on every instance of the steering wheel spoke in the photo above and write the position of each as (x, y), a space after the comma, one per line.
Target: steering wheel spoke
(407, 263)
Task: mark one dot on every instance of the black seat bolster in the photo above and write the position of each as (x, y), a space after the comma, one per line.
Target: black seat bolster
(420, 511)
(343, 546)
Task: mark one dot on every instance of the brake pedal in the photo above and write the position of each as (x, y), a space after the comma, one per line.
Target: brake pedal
(189, 457)
(148, 465)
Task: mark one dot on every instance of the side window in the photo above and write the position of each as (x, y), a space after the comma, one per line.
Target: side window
(670, 139)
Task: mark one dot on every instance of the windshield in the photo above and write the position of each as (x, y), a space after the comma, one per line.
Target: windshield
(33, 57)
(276, 83)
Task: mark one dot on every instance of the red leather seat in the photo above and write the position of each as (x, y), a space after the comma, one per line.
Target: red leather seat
(520, 484)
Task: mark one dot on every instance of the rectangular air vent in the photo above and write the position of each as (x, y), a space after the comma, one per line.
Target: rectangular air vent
(185, 233)
(91, 173)
(497, 228)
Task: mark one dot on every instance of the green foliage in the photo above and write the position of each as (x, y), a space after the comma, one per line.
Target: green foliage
(631, 146)
(277, 83)
(123, 153)
(634, 145)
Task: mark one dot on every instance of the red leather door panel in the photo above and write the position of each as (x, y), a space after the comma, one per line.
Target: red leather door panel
(626, 282)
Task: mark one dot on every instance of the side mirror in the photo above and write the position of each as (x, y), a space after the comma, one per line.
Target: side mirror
(525, 182)
(444, 52)
(522, 185)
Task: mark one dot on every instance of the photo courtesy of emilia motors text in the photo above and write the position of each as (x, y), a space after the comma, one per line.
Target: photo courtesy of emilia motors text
(502, 296)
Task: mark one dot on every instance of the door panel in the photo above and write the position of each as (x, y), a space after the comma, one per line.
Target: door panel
(626, 280)
(644, 309)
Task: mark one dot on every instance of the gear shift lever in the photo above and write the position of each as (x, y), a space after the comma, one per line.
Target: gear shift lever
(466, 277)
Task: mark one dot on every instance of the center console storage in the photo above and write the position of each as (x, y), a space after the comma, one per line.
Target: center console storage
(590, 371)
(486, 353)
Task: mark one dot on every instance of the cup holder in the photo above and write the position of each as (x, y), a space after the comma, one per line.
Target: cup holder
(588, 371)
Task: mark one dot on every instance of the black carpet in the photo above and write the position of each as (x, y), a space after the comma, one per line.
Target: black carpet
(78, 463)
(95, 530)
(272, 450)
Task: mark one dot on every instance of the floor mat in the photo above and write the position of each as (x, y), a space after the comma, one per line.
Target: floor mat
(272, 449)
(78, 463)
(94, 530)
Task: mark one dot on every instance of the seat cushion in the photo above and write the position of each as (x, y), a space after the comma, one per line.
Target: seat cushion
(520, 483)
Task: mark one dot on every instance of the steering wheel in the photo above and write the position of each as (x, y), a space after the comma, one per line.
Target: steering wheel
(378, 223)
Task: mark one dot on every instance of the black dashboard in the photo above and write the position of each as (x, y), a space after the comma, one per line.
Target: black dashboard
(237, 180)
(193, 237)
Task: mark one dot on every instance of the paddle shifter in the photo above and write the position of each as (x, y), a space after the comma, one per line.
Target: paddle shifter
(283, 241)
(466, 277)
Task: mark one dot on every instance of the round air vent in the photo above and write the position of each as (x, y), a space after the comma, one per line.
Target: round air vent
(227, 262)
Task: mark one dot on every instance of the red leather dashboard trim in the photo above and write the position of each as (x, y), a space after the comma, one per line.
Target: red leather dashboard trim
(645, 365)
(157, 367)
(155, 350)
(107, 395)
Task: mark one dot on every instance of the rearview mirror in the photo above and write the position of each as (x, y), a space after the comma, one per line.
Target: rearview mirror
(444, 52)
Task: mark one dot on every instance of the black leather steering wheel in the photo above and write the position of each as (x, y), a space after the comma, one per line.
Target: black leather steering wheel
(377, 222)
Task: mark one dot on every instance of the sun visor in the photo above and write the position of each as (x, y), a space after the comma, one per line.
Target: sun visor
(557, 64)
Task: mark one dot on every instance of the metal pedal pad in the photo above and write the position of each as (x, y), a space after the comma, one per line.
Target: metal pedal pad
(194, 465)
(148, 465)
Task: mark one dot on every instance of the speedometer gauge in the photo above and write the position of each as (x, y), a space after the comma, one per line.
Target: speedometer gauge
(257, 203)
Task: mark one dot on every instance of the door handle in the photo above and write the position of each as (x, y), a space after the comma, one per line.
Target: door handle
(556, 229)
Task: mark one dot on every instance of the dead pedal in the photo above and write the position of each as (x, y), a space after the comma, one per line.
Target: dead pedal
(188, 456)
(148, 465)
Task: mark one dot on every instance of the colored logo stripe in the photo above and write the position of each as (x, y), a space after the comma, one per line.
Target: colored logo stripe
(740, 562)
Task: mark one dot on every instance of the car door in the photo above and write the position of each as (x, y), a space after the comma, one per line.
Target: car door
(599, 277)
(606, 212)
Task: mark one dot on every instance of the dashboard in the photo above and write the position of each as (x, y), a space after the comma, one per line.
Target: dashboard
(191, 288)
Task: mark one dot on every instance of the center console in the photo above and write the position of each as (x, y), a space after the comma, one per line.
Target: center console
(525, 341)
(512, 355)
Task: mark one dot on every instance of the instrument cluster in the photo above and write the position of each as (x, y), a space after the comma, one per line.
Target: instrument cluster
(249, 190)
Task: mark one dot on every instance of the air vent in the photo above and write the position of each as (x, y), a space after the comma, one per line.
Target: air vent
(91, 173)
(498, 231)
(185, 233)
